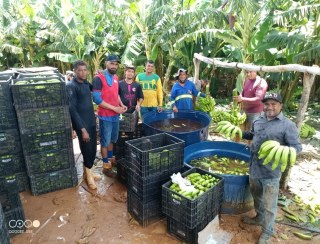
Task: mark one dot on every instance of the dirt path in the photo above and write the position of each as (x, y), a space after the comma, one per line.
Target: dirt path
(78, 215)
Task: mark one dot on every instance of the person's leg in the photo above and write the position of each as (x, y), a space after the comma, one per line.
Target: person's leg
(114, 139)
(270, 201)
(256, 190)
(105, 139)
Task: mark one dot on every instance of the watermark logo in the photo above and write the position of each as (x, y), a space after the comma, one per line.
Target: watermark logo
(22, 226)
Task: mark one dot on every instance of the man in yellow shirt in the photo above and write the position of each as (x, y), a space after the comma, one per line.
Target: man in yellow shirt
(151, 88)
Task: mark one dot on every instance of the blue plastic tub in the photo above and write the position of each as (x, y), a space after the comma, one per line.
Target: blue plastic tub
(189, 137)
(237, 196)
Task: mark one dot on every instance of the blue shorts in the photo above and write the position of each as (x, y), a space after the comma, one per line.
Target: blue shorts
(109, 132)
(145, 110)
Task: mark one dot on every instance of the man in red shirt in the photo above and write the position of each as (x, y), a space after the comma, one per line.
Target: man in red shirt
(105, 94)
(254, 89)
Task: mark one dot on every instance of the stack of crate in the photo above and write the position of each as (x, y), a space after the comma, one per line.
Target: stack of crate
(151, 162)
(186, 216)
(40, 101)
(11, 157)
(4, 234)
(11, 206)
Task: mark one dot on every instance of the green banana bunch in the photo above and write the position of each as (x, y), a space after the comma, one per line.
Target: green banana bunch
(273, 152)
(205, 104)
(229, 130)
(306, 131)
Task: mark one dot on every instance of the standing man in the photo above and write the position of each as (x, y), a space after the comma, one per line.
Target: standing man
(83, 119)
(105, 95)
(254, 89)
(130, 91)
(152, 89)
(264, 182)
(182, 92)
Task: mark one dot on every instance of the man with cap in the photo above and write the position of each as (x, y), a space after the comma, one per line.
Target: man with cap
(182, 92)
(254, 89)
(152, 89)
(264, 182)
(106, 96)
(130, 91)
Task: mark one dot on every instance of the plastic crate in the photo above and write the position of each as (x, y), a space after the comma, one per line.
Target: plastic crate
(21, 179)
(45, 141)
(144, 213)
(192, 212)
(39, 119)
(49, 182)
(122, 169)
(17, 226)
(39, 92)
(160, 153)
(147, 188)
(8, 118)
(11, 164)
(5, 93)
(9, 142)
(119, 146)
(4, 234)
(128, 121)
(49, 161)
(185, 234)
(9, 184)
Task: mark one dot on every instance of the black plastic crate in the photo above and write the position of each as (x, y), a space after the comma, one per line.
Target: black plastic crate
(192, 212)
(9, 184)
(119, 146)
(5, 93)
(49, 161)
(45, 141)
(15, 220)
(39, 119)
(21, 179)
(39, 92)
(9, 201)
(128, 121)
(4, 234)
(185, 234)
(154, 154)
(122, 171)
(11, 164)
(8, 119)
(146, 188)
(144, 213)
(49, 182)
(9, 142)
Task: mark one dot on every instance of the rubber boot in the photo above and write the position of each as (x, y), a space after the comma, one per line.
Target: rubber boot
(89, 179)
(95, 176)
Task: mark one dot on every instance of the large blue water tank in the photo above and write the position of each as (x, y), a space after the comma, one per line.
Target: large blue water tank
(237, 197)
(190, 137)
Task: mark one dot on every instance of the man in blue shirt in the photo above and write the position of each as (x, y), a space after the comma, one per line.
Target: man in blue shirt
(182, 92)
(264, 182)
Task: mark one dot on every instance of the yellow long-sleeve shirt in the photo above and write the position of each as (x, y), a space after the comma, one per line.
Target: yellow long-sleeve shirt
(151, 88)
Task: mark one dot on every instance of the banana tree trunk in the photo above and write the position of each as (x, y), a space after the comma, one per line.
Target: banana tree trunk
(166, 90)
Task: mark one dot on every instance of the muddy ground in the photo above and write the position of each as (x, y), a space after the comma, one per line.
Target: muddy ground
(78, 215)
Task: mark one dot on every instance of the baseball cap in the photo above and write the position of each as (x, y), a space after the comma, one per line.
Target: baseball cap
(113, 58)
(272, 95)
(179, 71)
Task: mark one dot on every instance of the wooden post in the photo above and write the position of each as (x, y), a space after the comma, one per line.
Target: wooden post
(308, 80)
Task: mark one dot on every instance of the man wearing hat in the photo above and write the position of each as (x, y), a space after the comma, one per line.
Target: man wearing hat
(264, 182)
(182, 92)
(130, 91)
(105, 95)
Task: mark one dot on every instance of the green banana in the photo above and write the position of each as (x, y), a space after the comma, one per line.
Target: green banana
(277, 157)
(302, 236)
(270, 144)
(270, 156)
(284, 158)
(224, 128)
(293, 155)
(228, 131)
